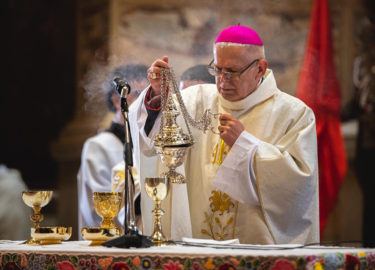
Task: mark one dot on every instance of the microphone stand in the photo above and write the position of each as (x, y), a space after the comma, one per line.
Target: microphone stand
(131, 237)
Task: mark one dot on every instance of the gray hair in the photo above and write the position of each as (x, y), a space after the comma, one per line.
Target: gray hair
(129, 73)
(257, 50)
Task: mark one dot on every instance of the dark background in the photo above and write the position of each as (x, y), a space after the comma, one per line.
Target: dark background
(39, 95)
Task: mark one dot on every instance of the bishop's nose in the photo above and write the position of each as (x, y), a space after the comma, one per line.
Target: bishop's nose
(224, 84)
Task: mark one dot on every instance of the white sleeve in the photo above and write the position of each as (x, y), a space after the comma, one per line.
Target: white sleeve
(287, 180)
(284, 175)
(238, 166)
(138, 116)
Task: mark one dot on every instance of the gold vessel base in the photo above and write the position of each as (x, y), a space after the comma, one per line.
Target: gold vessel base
(99, 235)
(51, 235)
(50, 242)
(159, 243)
(96, 243)
(31, 241)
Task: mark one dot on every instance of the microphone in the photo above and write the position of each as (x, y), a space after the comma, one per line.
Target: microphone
(122, 87)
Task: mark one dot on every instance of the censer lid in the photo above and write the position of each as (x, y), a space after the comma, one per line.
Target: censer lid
(176, 140)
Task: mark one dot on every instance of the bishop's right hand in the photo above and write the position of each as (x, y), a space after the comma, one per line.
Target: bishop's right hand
(154, 74)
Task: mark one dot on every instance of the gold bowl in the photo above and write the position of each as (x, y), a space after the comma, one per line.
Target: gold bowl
(157, 188)
(98, 235)
(107, 206)
(37, 198)
(51, 235)
(173, 157)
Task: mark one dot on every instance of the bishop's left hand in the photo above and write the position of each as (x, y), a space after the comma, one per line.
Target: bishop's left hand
(230, 129)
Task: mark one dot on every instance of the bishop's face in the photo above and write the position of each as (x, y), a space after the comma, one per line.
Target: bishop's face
(235, 59)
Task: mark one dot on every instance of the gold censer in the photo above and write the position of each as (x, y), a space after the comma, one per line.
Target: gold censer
(172, 143)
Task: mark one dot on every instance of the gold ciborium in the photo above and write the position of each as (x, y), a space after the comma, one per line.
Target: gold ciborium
(157, 189)
(36, 200)
(107, 206)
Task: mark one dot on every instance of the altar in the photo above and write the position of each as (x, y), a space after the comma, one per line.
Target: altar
(72, 255)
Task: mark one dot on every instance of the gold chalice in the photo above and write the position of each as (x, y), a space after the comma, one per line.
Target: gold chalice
(36, 200)
(157, 189)
(107, 206)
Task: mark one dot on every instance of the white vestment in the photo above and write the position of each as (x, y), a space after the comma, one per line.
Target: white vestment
(263, 190)
(14, 213)
(99, 155)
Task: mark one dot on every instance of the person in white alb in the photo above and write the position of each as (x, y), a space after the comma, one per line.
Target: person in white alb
(14, 212)
(102, 152)
(257, 179)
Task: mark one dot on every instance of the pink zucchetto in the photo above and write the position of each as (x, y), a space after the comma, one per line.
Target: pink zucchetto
(239, 34)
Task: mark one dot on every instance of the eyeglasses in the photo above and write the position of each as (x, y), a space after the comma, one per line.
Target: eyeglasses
(215, 71)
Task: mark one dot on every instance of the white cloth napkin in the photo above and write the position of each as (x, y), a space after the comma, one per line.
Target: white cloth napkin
(209, 241)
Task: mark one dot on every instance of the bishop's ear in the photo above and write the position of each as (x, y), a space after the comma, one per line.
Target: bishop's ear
(262, 67)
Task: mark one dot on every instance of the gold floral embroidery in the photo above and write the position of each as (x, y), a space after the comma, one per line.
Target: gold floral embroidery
(220, 202)
(218, 227)
(208, 219)
(219, 153)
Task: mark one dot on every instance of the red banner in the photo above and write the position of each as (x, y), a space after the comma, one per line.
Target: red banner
(319, 88)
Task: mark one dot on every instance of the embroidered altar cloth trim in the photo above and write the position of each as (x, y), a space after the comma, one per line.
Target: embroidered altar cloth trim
(82, 247)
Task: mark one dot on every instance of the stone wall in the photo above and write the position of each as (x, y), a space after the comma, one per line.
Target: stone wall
(185, 31)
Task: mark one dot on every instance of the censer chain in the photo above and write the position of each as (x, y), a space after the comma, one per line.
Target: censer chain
(203, 124)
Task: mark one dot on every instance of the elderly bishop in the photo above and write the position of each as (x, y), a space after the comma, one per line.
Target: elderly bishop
(256, 178)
